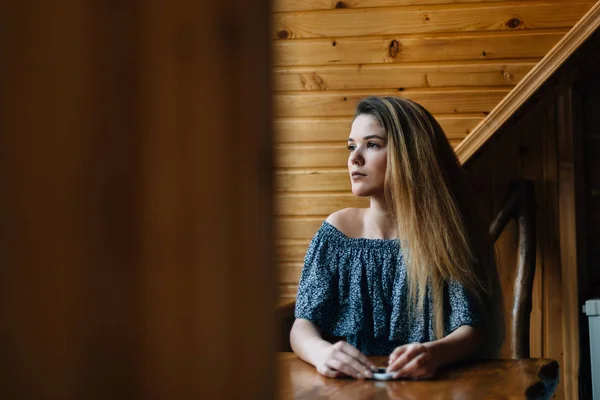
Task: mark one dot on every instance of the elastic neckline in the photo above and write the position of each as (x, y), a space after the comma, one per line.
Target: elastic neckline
(362, 242)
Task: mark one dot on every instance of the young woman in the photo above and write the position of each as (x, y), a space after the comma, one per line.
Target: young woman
(412, 276)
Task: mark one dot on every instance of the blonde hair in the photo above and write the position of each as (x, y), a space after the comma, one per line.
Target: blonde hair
(432, 204)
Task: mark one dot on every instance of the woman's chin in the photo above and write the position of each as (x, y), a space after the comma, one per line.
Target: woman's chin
(361, 192)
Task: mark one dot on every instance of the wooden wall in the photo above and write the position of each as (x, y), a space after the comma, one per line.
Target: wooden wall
(552, 141)
(528, 150)
(457, 58)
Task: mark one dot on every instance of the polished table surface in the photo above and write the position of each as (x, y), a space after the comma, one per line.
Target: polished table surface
(534, 378)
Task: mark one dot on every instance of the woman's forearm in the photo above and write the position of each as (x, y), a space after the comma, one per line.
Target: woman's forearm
(459, 345)
(307, 342)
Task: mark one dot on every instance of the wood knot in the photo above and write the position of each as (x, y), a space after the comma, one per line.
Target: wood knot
(334, 43)
(345, 98)
(401, 89)
(513, 23)
(341, 4)
(283, 34)
(319, 81)
(507, 76)
(394, 48)
(483, 53)
(427, 18)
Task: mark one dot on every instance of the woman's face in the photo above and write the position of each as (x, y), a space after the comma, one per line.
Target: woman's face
(367, 161)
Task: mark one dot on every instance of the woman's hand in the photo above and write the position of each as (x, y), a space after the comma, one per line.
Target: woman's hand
(343, 359)
(413, 361)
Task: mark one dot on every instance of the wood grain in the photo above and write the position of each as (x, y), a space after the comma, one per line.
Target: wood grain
(377, 21)
(205, 62)
(307, 156)
(312, 156)
(437, 101)
(433, 47)
(552, 345)
(298, 228)
(316, 204)
(290, 250)
(287, 292)
(395, 76)
(532, 81)
(337, 129)
(289, 273)
(112, 253)
(312, 181)
(308, 5)
(569, 257)
(529, 378)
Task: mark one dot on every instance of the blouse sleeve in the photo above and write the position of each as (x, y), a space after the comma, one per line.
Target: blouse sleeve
(462, 307)
(317, 297)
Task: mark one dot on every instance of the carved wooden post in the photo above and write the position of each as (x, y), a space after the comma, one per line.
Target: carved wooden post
(520, 204)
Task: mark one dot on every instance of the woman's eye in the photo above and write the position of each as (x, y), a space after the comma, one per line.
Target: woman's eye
(351, 147)
(372, 145)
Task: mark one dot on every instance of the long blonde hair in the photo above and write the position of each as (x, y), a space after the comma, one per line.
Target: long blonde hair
(433, 206)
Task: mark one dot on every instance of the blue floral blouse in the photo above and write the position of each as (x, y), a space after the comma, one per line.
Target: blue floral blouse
(357, 288)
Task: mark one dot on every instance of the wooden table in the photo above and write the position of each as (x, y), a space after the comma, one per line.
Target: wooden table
(534, 378)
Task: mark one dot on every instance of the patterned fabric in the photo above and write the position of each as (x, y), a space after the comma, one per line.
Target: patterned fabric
(357, 288)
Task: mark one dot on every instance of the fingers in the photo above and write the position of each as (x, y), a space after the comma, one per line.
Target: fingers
(396, 353)
(345, 365)
(353, 352)
(411, 351)
(348, 360)
(328, 372)
(418, 367)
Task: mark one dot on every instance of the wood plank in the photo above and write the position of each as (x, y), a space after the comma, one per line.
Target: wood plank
(283, 303)
(552, 290)
(395, 76)
(312, 181)
(309, 156)
(442, 101)
(309, 5)
(289, 273)
(434, 47)
(567, 217)
(297, 228)
(310, 204)
(323, 129)
(291, 251)
(287, 291)
(400, 20)
(568, 257)
(300, 156)
(532, 81)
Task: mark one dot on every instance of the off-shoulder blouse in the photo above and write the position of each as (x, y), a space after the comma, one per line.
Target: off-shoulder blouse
(357, 288)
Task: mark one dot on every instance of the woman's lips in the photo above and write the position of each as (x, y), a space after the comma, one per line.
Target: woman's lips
(357, 175)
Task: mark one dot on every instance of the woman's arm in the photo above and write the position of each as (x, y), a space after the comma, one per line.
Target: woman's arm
(331, 360)
(421, 360)
(307, 342)
(457, 346)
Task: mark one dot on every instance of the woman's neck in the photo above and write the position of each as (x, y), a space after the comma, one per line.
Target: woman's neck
(379, 221)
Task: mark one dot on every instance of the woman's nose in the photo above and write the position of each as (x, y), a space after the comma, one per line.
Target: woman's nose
(356, 157)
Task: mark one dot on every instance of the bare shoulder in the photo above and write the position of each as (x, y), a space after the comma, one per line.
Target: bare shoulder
(348, 221)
